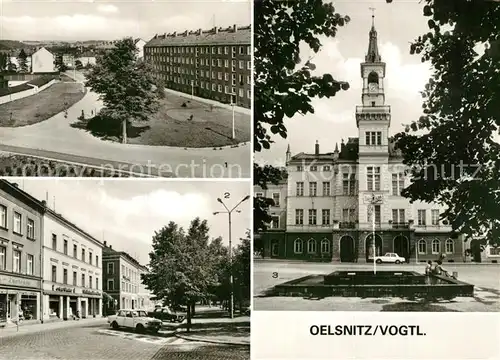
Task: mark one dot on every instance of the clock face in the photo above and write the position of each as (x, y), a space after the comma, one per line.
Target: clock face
(372, 86)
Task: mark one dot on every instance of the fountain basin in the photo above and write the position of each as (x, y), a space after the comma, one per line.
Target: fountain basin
(405, 284)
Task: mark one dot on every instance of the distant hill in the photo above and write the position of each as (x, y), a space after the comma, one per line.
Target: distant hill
(12, 44)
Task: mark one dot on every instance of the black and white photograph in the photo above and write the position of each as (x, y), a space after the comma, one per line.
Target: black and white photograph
(124, 269)
(125, 88)
(376, 153)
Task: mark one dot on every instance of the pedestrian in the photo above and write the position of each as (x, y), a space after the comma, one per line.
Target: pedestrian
(428, 268)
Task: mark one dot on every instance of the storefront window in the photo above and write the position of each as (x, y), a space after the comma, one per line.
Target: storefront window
(28, 310)
(3, 308)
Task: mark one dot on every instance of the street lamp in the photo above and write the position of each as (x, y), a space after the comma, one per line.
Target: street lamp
(229, 212)
(192, 89)
(232, 107)
(372, 201)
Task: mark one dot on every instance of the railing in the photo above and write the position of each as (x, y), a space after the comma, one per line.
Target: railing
(400, 225)
(373, 109)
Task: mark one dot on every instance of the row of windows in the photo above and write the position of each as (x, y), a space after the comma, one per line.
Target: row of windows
(373, 138)
(350, 215)
(215, 76)
(17, 223)
(349, 184)
(298, 246)
(17, 259)
(126, 287)
(241, 50)
(169, 64)
(83, 257)
(65, 280)
(133, 275)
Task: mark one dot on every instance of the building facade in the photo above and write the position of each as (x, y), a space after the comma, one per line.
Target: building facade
(43, 61)
(21, 231)
(122, 280)
(72, 273)
(213, 64)
(346, 205)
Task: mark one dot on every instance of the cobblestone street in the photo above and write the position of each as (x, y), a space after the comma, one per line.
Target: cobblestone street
(98, 342)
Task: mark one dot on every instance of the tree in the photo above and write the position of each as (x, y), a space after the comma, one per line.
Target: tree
(126, 86)
(59, 63)
(241, 270)
(283, 87)
(451, 150)
(22, 60)
(3, 61)
(11, 67)
(181, 269)
(78, 65)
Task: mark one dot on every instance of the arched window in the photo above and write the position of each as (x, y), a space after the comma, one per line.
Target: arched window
(422, 246)
(373, 78)
(311, 246)
(450, 246)
(298, 246)
(436, 246)
(325, 246)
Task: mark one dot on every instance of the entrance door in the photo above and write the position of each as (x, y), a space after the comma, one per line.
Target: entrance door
(475, 249)
(347, 249)
(275, 248)
(402, 246)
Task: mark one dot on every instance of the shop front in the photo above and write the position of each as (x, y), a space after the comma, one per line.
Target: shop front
(19, 299)
(60, 302)
(93, 302)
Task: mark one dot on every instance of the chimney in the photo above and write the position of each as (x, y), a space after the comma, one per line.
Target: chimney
(235, 28)
(199, 31)
(15, 184)
(110, 247)
(105, 244)
(44, 203)
(174, 34)
(342, 146)
(216, 30)
(316, 148)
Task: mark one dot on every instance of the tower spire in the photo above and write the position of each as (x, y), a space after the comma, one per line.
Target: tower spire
(373, 54)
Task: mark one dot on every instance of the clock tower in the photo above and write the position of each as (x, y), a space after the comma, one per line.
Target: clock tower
(373, 117)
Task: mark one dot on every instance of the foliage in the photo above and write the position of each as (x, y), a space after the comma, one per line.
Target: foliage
(78, 65)
(241, 268)
(22, 60)
(126, 86)
(453, 149)
(11, 67)
(182, 268)
(283, 88)
(59, 63)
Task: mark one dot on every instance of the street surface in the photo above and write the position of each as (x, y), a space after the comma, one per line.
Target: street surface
(100, 342)
(268, 273)
(58, 137)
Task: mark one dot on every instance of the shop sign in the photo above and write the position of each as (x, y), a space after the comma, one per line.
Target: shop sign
(90, 292)
(17, 281)
(63, 289)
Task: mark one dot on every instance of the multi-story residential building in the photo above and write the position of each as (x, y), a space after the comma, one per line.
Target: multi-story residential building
(87, 58)
(145, 297)
(20, 257)
(121, 279)
(139, 44)
(346, 205)
(72, 273)
(68, 60)
(213, 64)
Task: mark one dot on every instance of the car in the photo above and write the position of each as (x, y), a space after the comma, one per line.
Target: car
(166, 314)
(390, 258)
(134, 319)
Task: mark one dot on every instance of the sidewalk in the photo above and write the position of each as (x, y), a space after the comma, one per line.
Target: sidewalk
(359, 263)
(213, 326)
(34, 328)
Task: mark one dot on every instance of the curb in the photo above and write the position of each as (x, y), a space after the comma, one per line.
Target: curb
(210, 341)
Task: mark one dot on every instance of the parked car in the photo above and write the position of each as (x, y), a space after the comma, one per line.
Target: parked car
(166, 314)
(134, 319)
(390, 258)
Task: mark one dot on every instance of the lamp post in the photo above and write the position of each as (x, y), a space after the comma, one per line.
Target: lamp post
(192, 89)
(372, 201)
(229, 212)
(232, 107)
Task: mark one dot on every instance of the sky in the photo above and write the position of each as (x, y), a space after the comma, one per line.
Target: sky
(111, 20)
(126, 212)
(397, 24)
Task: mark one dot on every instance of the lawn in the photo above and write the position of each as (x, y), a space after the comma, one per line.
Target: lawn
(40, 107)
(195, 125)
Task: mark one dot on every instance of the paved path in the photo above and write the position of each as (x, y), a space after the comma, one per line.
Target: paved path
(57, 136)
(485, 278)
(98, 342)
